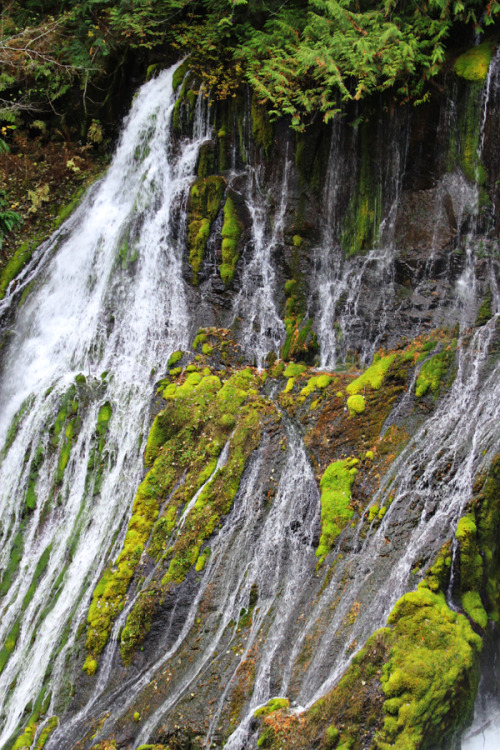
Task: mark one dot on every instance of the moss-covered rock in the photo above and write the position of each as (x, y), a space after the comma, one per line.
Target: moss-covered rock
(473, 65)
(205, 200)
(231, 233)
(336, 512)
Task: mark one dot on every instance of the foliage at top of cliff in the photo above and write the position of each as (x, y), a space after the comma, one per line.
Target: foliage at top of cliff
(300, 57)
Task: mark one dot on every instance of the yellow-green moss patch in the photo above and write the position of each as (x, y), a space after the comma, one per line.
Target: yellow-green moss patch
(373, 377)
(473, 65)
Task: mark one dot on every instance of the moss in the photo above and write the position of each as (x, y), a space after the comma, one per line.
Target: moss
(127, 254)
(364, 212)
(294, 370)
(174, 358)
(137, 716)
(52, 723)
(373, 377)
(336, 512)
(473, 65)
(180, 74)
(204, 204)
(437, 576)
(262, 129)
(15, 424)
(31, 496)
(464, 138)
(485, 312)
(431, 677)
(316, 382)
(473, 607)
(275, 704)
(90, 665)
(206, 160)
(432, 373)
(289, 385)
(356, 405)
(16, 555)
(300, 342)
(231, 233)
(471, 562)
(200, 415)
(202, 559)
(9, 644)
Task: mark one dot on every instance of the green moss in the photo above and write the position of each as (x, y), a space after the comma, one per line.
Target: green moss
(180, 74)
(294, 370)
(52, 723)
(202, 560)
(373, 377)
(13, 267)
(174, 358)
(473, 607)
(15, 424)
(431, 677)
(464, 139)
(485, 312)
(336, 512)
(473, 65)
(262, 129)
(9, 644)
(289, 385)
(31, 497)
(432, 373)
(16, 554)
(201, 414)
(275, 704)
(356, 405)
(231, 233)
(316, 382)
(206, 160)
(204, 204)
(364, 212)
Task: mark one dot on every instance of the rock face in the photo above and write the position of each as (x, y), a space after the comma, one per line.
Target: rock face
(292, 542)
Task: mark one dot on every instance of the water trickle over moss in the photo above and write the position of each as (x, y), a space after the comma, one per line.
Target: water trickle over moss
(231, 233)
(204, 204)
(373, 376)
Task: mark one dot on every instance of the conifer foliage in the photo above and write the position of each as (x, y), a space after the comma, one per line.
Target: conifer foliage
(301, 57)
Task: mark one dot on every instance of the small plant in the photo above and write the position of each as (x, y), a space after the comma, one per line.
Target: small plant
(9, 220)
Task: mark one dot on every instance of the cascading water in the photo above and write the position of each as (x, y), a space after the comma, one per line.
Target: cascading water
(109, 308)
(261, 328)
(341, 281)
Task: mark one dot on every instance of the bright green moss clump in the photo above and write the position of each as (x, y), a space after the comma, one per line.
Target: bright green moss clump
(336, 512)
(316, 381)
(356, 404)
(473, 65)
(275, 704)
(431, 677)
(293, 370)
(373, 377)
(231, 233)
(432, 373)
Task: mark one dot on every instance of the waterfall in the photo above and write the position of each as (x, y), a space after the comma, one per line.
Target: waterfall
(261, 329)
(108, 309)
(107, 305)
